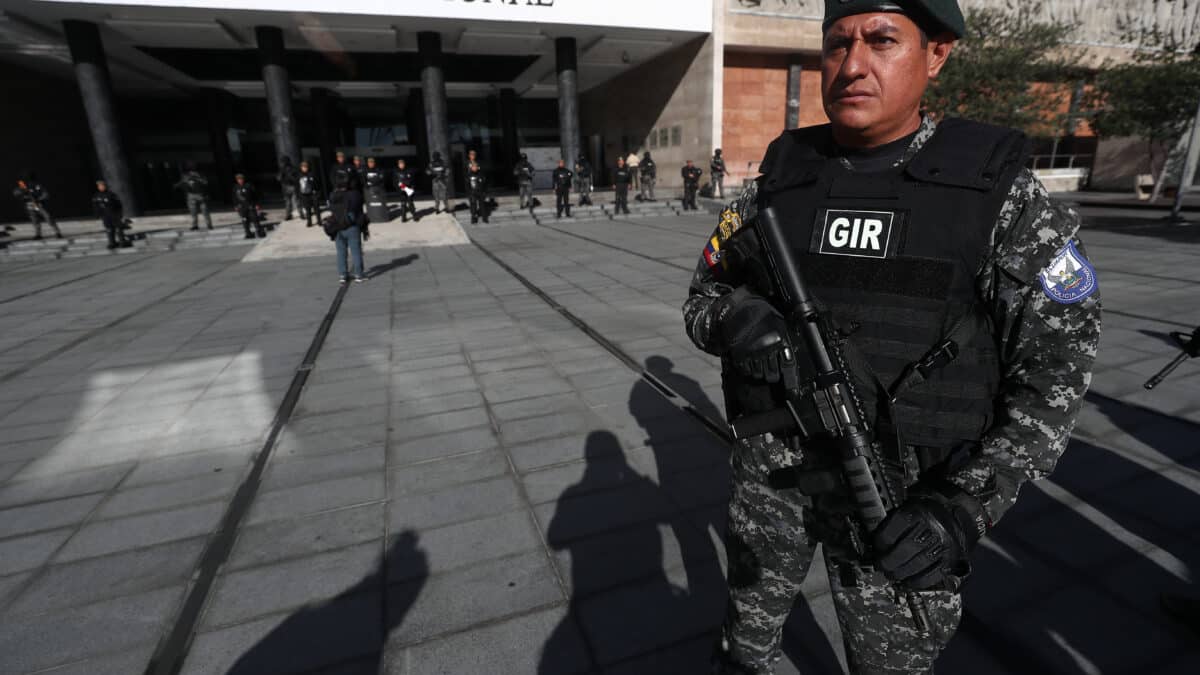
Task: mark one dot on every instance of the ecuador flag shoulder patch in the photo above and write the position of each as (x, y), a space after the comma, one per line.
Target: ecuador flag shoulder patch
(712, 252)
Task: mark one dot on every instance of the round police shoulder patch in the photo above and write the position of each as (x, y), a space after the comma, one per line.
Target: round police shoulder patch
(1069, 278)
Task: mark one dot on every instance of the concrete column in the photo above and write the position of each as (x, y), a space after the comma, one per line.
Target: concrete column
(509, 126)
(508, 129)
(433, 88)
(216, 106)
(279, 91)
(95, 87)
(568, 98)
(415, 119)
(322, 104)
(792, 119)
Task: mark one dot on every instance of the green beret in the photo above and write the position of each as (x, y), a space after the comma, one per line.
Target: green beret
(933, 16)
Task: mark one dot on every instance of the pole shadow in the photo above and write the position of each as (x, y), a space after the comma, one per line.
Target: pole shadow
(384, 268)
(349, 630)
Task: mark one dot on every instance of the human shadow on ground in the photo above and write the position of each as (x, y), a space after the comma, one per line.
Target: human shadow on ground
(348, 631)
(646, 587)
(1062, 587)
(384, 268)
(804, 643)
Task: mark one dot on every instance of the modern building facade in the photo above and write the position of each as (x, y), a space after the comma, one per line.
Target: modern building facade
(133, 89)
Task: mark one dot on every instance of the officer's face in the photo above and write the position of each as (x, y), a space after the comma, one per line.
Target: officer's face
(874, 71)
(371, 163)
(400, 164)
(101, 187)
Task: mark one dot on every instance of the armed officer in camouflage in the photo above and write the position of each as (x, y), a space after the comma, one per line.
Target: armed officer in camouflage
(972, 314)
(195, 187)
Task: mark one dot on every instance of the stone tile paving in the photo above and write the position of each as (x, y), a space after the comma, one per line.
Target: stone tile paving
(470, 484)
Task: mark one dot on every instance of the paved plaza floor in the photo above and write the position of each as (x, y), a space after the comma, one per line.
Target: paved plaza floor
(500, 457)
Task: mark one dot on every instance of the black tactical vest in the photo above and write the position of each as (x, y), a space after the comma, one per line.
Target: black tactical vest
(893, 256)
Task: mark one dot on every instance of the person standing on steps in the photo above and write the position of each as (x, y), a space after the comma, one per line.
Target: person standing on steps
(439, 174)
(524, 172)
(245, 200)
(195, 188)
(107, 207)
(716, 168)
(959, 302)
(310, 197)
(289, 179)
(34, 196)
(403, 178)
(691, 184)
(561, 178)
(622, 178)
(632, 162)
(477, 196)
(648, 171)
(583, 180)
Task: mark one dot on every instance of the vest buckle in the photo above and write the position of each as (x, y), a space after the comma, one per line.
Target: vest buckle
(938, 357)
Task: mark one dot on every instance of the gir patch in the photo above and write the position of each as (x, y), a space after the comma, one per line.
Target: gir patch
(1069, 278)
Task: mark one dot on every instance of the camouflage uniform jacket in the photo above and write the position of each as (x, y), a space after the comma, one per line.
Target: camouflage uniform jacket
(1046, 348)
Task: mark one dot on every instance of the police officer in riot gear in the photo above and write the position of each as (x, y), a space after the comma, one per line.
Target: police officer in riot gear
(477, 193)
(583, 180)
(34, 196)
(310, 195)
(245, 200)
(691, 184)
(622, 178)
(648, 171)
(524, 172)
(402, 177)
(439, 174)
(375, 191)
(962, 307)
(356, 174)
(341, 169)
(561, 179)
(195, 187)
(289, 178)
(716, 168)
(107, 207)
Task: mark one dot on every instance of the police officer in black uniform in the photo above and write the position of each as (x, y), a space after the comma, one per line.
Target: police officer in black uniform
(375, 191)
(477, 193)
(289, 178)
(107, 207)
(402, 178)
(691, 184)
(341, 169)
(356, 174)
(524, 172)
(561, 178)
(622, 178)
(648, 171)
(195, 186)
(439, 174)
(716, 167)
(245, 200)
(34, 196)
(583, 180)
(310, 195)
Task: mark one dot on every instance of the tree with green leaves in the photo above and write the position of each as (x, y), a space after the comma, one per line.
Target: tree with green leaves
(1011, 70)
(1152, 97)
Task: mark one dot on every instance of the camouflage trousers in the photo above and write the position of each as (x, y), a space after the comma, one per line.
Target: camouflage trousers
(770, 542)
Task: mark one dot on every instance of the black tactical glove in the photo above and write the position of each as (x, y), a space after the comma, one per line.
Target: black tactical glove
(924, 545)
(754, 336)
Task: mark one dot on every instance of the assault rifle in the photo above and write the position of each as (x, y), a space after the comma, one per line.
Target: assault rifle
(841, 411)
(1189, 349)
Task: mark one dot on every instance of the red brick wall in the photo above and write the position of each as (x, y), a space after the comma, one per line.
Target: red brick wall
(755, 104)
